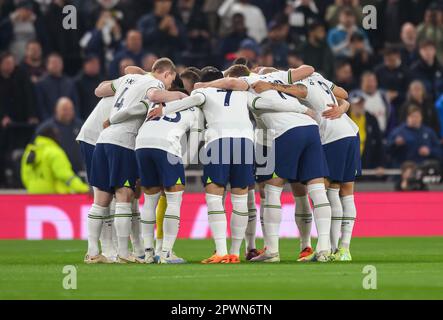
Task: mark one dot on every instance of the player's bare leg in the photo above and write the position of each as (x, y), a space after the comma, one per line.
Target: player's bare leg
(152, 195)
(239, 221)
(171, 224)
(217, 222)
(303, 218)
(97, 213)
(349, 215)
(122, 221)
(272, 220)
(322, 216)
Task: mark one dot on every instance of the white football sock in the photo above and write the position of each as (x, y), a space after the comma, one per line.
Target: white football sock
(349, 215)
(106, 239)
(217, 222)
(252, 221)
(322, 215)
(122, 221)
(303, 219)
(272, 217)
(114, 232)
(158, 246)
(95, 222)
(262, 220)
(136, 239)
(172, 219)
(239, 221)
(148, 219)
(336, 216)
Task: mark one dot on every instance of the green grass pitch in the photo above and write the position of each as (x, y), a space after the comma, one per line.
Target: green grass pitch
(407, 268)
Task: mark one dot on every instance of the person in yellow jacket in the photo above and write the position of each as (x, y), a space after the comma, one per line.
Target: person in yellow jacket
(45, 167)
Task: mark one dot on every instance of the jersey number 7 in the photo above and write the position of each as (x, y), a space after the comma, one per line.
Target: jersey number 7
(227, 96)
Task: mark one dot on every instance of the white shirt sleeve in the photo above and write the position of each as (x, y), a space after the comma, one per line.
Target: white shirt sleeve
(124, 114)
(196, 99)
(276, 105)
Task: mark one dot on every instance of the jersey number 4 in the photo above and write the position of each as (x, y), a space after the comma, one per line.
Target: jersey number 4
(119, 103)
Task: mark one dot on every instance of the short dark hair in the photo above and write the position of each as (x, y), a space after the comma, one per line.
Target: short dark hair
(413, 108)
(196, 70)
(163, 64)
(427, 43)
(191, 75)
(4, 55)
(237, 70)
(210, 74)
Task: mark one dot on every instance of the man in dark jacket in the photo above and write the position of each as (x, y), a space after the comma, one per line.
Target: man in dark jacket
(53, 86)
(86, 82)
(371, 146)
(413, 141)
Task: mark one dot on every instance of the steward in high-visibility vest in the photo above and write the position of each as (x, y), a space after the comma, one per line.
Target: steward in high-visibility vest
(45, 167)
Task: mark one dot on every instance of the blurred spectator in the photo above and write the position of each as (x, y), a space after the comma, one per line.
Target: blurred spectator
(249, 50)
(333, 11)
(198, 47)
(231, 42)
(301, 13)
(254, 19)
(295, 59)
(104, 38)
(408, 180)
(45, 168)
(315, 51)
(439, 107)
(133, 49)
(431, 28)
(148, 61)
(393, 76)
(409, 52)
(417, 96)
(376, 100)
(360, 57)
(270, 8)
(393, 14)
(86, 82)
(64, 41)
(163, 34)
(343, 75)
(339, 38)
(427, 69)
(32, 63)
(53, 86)
(276, 43)
(126, 62)
(17, 103)
(413, 141)
(68, 126)
(371, 146)
(20, 27)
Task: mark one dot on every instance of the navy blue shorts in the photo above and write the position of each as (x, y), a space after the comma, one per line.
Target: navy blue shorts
(87, 151)
(229, 160)
(299, 155)
(113, 167)
(343, 158)
(159, 168)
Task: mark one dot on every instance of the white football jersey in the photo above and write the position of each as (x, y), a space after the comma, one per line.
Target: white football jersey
(226, 114)
(319, 97)
(166, 133)
(129, 111)
(277, 122)
(93, 125)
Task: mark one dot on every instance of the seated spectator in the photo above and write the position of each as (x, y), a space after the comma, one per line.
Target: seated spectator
(359, 57)
(417, 96)
(301, 14)
(20, 27)
(133, 49)
(86, 82)
(409, 50)
(33, 63)
(266, 58)
(198, 45)
(270, 8)
(295, 59)
(316, 52)
(163, 33)
(333, 11)
(340, 36)
(431, 29)
(276, 43)
(371, 145)
(249, 50)
(413, 141)
(428, 70)
(376, 101)
(254, 19)
(45, 168)
(343, 75)
(126, 62)
(229, 44)
(104, 38)
(393, 76)
(408, 180)
(148, 61)
(68, 126)
(53, 86)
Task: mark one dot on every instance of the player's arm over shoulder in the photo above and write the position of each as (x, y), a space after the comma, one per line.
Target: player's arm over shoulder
(229, 83)
(105, 89)
(300, 73)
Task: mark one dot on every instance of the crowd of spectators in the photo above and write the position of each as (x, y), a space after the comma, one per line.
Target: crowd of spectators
(394, 72)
